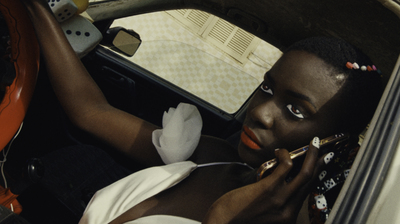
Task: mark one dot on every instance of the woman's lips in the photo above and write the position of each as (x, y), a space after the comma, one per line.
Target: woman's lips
(249, 138)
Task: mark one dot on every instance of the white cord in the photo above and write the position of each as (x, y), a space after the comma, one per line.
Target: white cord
(223, 163)
(5, 153)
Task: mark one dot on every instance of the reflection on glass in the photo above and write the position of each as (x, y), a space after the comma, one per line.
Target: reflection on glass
(126, 43)
(198, 72)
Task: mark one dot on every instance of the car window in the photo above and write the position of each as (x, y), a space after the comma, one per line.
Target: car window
(203, 54)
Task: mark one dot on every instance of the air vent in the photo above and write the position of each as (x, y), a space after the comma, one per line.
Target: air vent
(181, 11)
(198, 17)
(221, 31)
(231, 39)
(195, 20)
(240, 41)
(234, 41)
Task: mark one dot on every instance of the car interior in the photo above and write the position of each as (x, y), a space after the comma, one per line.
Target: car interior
(371, 25)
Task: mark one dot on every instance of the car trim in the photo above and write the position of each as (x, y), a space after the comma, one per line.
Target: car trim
(355, 203)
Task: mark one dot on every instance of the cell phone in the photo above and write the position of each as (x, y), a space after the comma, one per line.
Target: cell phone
(328, 144)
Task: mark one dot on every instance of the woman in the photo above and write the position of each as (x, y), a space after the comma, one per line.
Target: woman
(309, 92)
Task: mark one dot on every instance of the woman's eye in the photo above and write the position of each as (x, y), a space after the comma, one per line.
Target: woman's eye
(295, 111)
(266, 89)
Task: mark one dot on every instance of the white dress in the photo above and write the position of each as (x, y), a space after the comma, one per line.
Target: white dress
(175, 142)
(115, 199)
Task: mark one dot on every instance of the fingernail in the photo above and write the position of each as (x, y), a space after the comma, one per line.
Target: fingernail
(315, 142)
(277, 149)
(322, 175)
(328, 157)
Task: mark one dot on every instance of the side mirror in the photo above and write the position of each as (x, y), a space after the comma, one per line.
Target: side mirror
(122, 40)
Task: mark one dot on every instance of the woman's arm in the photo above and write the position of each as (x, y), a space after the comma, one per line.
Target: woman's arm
(81, 98)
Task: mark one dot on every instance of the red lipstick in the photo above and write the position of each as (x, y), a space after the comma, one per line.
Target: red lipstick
(249, 138)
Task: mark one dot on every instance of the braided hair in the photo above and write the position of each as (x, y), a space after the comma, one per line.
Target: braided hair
(362, 90)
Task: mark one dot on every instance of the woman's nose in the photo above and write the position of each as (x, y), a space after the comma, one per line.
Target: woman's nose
(265, 113)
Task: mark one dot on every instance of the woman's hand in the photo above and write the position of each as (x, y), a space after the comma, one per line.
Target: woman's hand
(272, 199)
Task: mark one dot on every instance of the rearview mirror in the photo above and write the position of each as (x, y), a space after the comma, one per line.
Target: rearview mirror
(122, 40)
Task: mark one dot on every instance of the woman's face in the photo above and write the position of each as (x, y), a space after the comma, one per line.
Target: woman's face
(297, 101)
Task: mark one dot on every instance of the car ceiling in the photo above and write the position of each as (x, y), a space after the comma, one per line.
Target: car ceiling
(365, 23)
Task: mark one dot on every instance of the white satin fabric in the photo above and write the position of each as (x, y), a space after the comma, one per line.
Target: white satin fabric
(175, 143)
(115, 199)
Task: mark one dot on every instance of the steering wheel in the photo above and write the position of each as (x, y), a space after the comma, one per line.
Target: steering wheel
(25, 55)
